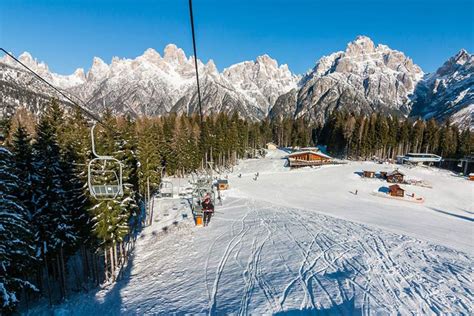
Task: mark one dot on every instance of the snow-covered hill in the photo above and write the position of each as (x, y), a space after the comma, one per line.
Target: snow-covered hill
(364, 78)
(300, 241)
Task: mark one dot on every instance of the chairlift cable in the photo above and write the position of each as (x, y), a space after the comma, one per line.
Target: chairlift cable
(82, 109)
(104, 191)
(195, 58)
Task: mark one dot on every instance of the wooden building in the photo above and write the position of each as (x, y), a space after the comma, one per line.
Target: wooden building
(396, 190)
(369, 174)
(395, 177)
(222, 184)
(307, 158)
(471, 176)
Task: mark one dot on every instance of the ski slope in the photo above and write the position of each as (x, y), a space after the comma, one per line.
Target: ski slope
(299, 241)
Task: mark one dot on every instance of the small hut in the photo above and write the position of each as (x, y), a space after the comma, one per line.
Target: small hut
(369, 174)
(471, 176)
(271, 146)
(396, 190)
(395, 177)
(222, 184)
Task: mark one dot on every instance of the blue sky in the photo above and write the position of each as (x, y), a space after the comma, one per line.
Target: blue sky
(68, 34)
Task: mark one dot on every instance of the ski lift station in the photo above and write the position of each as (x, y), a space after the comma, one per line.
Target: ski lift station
(418, 158)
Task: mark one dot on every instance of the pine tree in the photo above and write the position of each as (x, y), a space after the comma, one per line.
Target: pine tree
(23, 160)
(447, 140)
(465, 143)
(148, 153)
(17, 253)
(52, 216)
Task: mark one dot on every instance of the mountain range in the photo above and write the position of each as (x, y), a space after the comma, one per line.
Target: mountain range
(364, 78)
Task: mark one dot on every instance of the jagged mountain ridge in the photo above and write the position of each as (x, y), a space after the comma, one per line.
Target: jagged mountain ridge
(152, 84)
(363, 78)
(449, 92)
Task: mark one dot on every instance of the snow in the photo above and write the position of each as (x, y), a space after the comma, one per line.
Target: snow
(299, 240)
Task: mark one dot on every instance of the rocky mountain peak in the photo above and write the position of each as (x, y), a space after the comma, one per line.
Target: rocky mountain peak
(79, 73)
(151, 55)
(211, 67)
(461, 60)
(267, 61)
(359, 79)
(173, 53)
(98, 69)
(449, 92)
(31, 62)
(26, 58)
(462, 57)
(361, 45)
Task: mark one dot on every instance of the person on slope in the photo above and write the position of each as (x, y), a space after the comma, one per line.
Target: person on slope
(207, 209)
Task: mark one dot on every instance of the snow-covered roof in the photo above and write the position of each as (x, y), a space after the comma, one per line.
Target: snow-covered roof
(395, 172)
(318, 153)
(395, 186)
(310, 149)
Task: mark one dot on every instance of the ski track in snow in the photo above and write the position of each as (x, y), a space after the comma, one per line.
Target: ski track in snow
(256, 257)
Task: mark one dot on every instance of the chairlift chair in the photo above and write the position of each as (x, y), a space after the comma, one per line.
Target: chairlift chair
(104, 183)
(166, 188)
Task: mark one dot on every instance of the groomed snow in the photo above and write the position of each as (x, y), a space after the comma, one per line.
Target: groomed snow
(295, 241)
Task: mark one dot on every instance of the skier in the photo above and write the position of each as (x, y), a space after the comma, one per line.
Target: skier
(219, 196)
(207, 209)
(355, 192)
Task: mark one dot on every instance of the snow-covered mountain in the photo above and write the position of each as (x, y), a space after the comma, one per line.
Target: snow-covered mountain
(449, 92)
(153, 84)
(261, 81)
(364, 78)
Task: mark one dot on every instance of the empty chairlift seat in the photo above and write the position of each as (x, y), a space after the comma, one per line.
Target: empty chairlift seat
(105, 190)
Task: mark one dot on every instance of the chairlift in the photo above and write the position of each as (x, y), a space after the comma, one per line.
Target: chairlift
(104, 182)
(166, 188)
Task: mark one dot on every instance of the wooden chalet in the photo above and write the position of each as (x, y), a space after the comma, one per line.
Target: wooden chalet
(222, 184)
(369, 174)
(396, 190)
(307, 158)
(395, 177)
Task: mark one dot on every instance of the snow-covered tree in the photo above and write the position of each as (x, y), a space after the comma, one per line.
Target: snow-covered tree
(52, 216)
(17, 254)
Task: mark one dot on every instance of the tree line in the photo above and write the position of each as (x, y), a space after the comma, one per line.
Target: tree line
(49, 222)
(385, 137)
